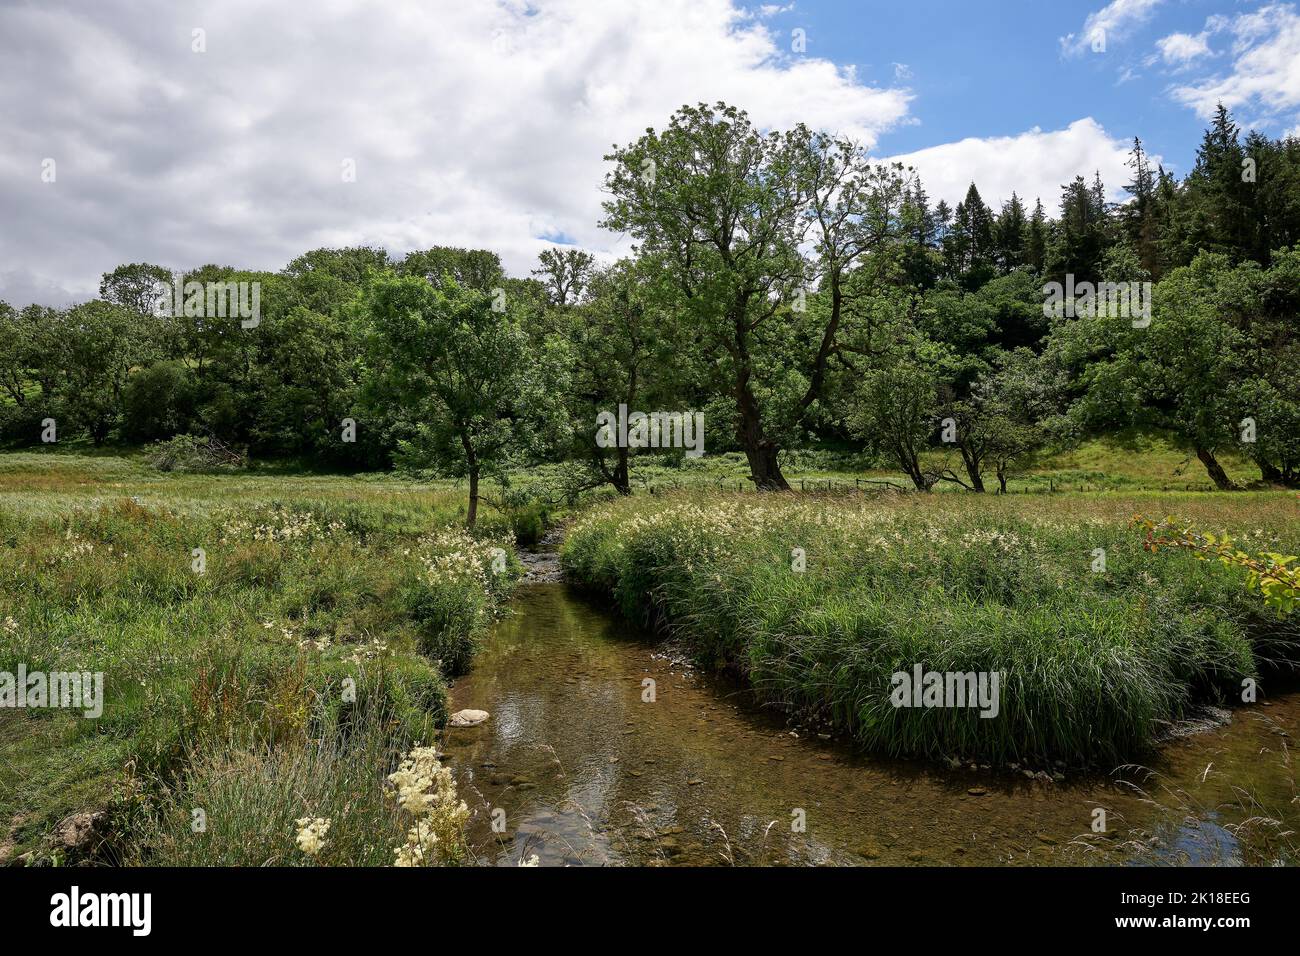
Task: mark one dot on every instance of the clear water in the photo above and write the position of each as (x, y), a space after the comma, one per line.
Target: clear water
(582, 771)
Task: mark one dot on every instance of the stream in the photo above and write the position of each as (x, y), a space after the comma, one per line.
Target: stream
(575, 766)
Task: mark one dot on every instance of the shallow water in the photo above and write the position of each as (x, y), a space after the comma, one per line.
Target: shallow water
(580, 770)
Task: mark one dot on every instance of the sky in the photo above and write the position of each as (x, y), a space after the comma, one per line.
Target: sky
(241, 133)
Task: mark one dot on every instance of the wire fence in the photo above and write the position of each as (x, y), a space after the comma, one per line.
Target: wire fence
(866, 485)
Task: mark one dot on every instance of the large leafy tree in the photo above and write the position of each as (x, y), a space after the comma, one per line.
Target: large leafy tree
(720, 210)
(458, 369)
(565, 273)
(620, 349)
(719, 206)
(477, 269)
(100, 343)
(894, 409)
(134, 286)
(18, 353)
(1183, 374)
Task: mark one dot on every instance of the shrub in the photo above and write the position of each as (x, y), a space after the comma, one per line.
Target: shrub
(529, 523)
(195, 454)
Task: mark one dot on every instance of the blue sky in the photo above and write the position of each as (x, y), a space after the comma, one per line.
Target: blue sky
(998, 68)
(183, 132)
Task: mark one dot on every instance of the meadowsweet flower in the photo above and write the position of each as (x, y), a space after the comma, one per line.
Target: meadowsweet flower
(426, 790)
(311, 834)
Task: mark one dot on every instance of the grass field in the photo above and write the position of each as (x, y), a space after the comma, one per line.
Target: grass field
(226, 687)
(236, 675)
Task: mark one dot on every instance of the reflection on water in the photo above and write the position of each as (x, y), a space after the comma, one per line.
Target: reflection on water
(589, 774)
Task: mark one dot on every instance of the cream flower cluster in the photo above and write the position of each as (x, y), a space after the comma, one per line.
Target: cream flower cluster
(77, 546)
(700, 533)
(426, 790)
(369, 651)
(453, 556)
(280, 525)
(311, 834)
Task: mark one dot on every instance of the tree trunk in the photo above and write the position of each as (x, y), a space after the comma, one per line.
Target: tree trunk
(973, 470)
(1269, 472)
(620, 479)
(764, 470)
(912, 466)
(472, 468)
(473, 496)
(761, 452)
(1216, 472)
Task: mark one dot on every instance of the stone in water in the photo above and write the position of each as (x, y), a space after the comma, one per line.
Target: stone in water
(468, 718)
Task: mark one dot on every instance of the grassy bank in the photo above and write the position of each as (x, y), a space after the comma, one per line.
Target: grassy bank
(1094, 663)
(282, 682)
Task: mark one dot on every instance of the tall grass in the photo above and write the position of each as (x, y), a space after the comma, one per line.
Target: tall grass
(1094, 663)
(304, 614)
(237, 804)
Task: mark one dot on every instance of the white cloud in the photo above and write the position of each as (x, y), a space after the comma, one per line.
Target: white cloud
(470, 124)
(1035, 164)
(1181, 48)
(1265, 72)
(1111, 24)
